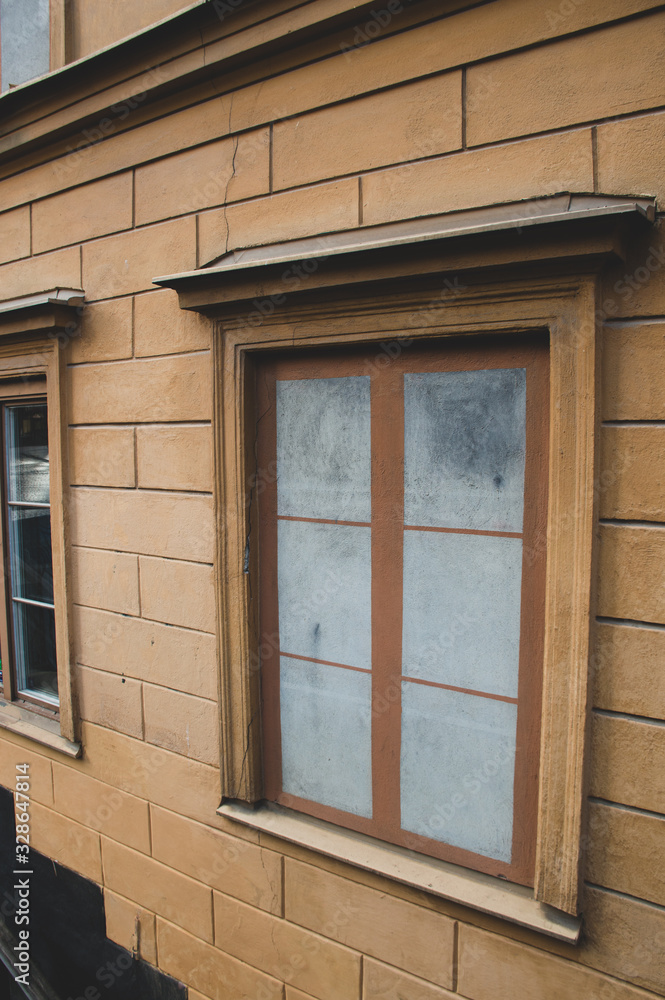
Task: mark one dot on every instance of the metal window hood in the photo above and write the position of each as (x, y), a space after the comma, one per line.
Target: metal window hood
(516, 218)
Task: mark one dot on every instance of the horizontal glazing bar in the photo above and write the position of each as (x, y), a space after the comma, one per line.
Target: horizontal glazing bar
(37, 604)
(450, 687)
(27, 503)
(323, 520)
(326, 663)
(464, 531)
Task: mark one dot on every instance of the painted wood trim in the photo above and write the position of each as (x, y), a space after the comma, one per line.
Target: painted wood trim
(58, 33)
(58, 441)
(565, 307)
(568, 607)
(237, 612)
(44, 356)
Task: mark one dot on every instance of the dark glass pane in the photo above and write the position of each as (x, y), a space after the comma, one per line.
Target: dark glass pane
(34, 642)
(464, 449)
(30, 548)
(27, 453)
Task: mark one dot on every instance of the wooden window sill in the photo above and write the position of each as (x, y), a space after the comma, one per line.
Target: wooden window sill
(460, 885)
(36, 727)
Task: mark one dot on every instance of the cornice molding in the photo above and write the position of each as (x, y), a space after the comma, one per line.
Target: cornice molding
(586, 229)
(52, 310)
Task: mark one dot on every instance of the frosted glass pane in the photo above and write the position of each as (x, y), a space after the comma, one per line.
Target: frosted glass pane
(326, 735)
(323, 448)
(457, 768)
(324, 579)
(24, 40)
(462, 598)
(464, 444)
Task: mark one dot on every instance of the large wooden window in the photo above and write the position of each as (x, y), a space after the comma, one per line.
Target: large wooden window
(402, 592)
(489, 327)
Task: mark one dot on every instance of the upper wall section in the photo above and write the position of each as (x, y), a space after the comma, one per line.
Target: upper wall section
(94, 24)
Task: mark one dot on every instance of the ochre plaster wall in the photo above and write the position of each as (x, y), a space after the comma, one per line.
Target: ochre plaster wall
(509, 100)
(91, 25)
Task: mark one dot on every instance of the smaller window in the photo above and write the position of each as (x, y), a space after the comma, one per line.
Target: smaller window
(27, 627)
(25, 41)
(35, 650)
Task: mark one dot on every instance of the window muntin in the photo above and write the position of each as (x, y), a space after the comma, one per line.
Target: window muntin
(29, 647)
(385, 494)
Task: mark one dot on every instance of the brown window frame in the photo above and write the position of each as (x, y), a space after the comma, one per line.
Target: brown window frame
(387, 440)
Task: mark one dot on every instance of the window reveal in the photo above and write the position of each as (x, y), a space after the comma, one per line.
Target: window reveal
(402, 592)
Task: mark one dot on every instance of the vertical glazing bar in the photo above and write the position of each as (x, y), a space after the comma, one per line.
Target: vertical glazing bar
(387, 532)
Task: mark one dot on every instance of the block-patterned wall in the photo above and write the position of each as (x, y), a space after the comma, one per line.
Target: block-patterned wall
(447, 108)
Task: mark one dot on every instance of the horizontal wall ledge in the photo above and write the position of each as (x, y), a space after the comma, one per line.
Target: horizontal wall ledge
(577, 226)
(485, 893)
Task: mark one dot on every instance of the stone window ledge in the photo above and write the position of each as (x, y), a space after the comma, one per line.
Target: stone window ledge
(38, 728)
(485, 893)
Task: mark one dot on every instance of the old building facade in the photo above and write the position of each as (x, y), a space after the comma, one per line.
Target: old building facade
(247, 248)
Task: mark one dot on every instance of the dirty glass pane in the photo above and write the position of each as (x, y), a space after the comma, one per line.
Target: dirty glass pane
(326, 735)
(457, 767)
(461, 623)
(324, 579)
(24, 40)
(464, 446)
(323, 448)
